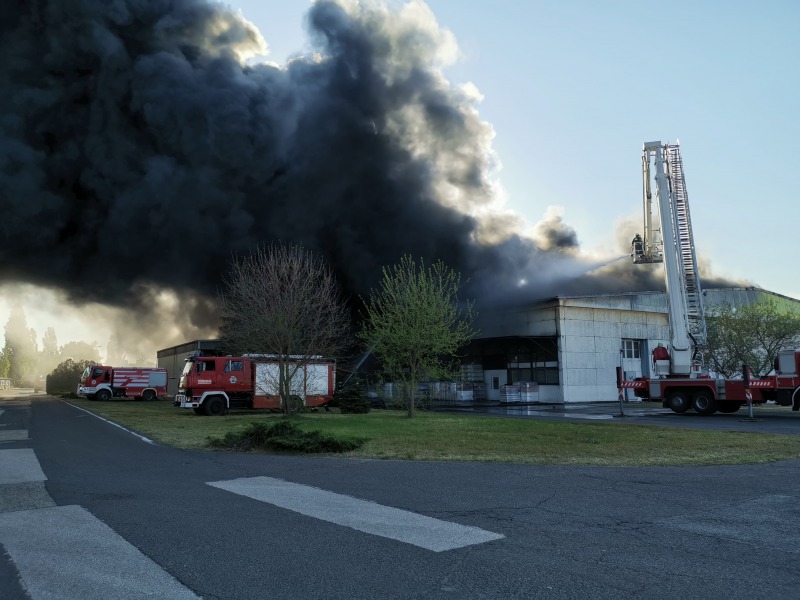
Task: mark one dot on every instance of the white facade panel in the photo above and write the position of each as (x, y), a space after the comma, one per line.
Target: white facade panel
(580, 360)
(607, 315)
(589, 366)
(579, 377)
(657, 319)
(607, 360)
(577, 328)
(578, 343)
(578, 314)
(607, 344)
(633, 331)
(551, 394)
(632, 317)
(581, 393)
(607, 329)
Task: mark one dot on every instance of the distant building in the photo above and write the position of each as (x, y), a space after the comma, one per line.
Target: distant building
(172, 359)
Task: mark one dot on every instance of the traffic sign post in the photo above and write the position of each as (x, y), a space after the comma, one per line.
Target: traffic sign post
(748, 395)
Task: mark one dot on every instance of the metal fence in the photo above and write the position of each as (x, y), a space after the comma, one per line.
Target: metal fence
(428, 394)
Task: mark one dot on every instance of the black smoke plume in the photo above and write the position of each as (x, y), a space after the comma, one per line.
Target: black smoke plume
(140, 151)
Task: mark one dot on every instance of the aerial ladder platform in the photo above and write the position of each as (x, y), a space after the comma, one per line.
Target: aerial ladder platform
(668, 239)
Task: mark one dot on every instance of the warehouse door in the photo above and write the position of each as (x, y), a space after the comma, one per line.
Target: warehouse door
(631, 362)
(495, 380)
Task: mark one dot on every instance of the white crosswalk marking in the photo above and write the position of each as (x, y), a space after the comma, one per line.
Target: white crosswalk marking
(65, 552)
(362, 515)
(19, 466)
(13, 435)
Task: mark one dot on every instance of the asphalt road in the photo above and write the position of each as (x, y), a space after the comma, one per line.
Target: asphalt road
(120, 517)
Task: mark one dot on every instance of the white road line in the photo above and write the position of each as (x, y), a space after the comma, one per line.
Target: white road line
(13, 435)
(133, 433)
(20, 466)
(65, 552)
(362, 515)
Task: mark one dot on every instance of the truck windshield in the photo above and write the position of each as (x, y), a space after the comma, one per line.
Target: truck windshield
(187, 368)
(87, 372)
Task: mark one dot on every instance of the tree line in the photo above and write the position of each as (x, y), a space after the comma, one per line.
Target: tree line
(25, 363)
(750, 335)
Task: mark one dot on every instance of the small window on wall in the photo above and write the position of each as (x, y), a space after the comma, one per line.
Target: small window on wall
(495, 383)
(631, 348)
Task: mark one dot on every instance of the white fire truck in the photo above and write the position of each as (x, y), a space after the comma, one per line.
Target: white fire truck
(99, 382)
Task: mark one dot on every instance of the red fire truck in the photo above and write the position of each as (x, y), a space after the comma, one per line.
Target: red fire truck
(708, 395)
(213, 384)
(103, 383)
(679, 379)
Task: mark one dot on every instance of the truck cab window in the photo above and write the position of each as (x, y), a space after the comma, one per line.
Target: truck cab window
(97, 373)
(234, 365)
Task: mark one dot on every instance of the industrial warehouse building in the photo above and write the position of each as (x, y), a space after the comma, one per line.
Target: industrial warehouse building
(566, 349)
(563, 349)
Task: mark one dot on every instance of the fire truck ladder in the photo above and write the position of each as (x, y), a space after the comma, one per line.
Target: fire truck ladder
(686, 251)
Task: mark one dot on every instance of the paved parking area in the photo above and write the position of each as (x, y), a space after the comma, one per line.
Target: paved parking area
(767, 418)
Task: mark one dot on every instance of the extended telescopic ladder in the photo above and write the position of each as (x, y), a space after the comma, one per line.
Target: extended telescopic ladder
(684, 241)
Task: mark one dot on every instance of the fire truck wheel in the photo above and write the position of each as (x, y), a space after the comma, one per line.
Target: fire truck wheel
(679, 402)
(704, 404)
(215, 406)
(199, 411)
(103, 395)
(148, 395)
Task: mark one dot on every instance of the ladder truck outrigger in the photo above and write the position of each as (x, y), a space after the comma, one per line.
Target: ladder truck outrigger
(679, 378)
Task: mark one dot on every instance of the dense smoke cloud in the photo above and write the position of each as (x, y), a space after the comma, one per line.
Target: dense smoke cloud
(139, 151)
(553, 232)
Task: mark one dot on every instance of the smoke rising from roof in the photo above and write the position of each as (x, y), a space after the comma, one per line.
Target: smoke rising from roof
(139, 151)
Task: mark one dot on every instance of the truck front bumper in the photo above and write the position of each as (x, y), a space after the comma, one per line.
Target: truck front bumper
(184, 402)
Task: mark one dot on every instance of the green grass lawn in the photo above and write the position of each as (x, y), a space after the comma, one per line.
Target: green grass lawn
(450, 437)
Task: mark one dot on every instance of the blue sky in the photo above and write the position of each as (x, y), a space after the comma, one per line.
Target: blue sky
(574, 88)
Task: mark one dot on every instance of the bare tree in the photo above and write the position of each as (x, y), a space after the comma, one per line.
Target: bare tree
(285, 302)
